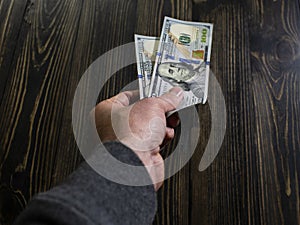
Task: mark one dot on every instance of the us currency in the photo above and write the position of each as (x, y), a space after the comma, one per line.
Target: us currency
(146, 48)
(182, 60)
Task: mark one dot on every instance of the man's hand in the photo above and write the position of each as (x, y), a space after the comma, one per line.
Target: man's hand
(141, 126)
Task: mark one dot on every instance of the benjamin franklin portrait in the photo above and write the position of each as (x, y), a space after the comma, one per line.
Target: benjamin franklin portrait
(184, 76)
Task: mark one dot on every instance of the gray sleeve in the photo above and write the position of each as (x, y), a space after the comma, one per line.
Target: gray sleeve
(88, 198)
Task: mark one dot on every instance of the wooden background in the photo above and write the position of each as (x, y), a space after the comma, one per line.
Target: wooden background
(45, 47)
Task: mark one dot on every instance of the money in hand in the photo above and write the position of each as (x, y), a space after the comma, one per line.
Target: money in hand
(182, 60)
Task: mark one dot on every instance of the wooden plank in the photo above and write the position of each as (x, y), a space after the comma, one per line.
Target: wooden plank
(255, 178)
(33, 101)
(11, 17)
(99, 33)
(275, 44)
(220, 194)
(151, 14)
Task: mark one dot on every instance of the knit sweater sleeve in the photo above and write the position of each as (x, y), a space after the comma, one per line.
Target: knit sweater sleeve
(88, 198)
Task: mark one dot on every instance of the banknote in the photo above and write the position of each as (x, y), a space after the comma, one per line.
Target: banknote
(182, 60)
(146, 48)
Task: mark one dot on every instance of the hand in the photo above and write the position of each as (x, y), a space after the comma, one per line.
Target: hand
(141, 126)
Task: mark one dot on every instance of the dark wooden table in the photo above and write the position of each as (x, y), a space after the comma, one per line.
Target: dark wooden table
(45, 47)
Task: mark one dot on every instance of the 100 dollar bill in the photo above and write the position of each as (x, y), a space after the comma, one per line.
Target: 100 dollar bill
(146, 48)
(182, 60)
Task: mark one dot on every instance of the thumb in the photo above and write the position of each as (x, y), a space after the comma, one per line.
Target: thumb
(171, 99)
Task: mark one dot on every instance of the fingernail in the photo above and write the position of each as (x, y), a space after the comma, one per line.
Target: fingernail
(177, 91)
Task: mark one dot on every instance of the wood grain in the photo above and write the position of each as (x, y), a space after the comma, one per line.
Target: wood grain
(275, 59)
(93, 40)
(219, 194)
(30, 121)
(46, 46)
(255, 178)
(10, 22)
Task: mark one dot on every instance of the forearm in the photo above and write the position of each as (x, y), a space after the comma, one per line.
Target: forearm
(88, 198)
